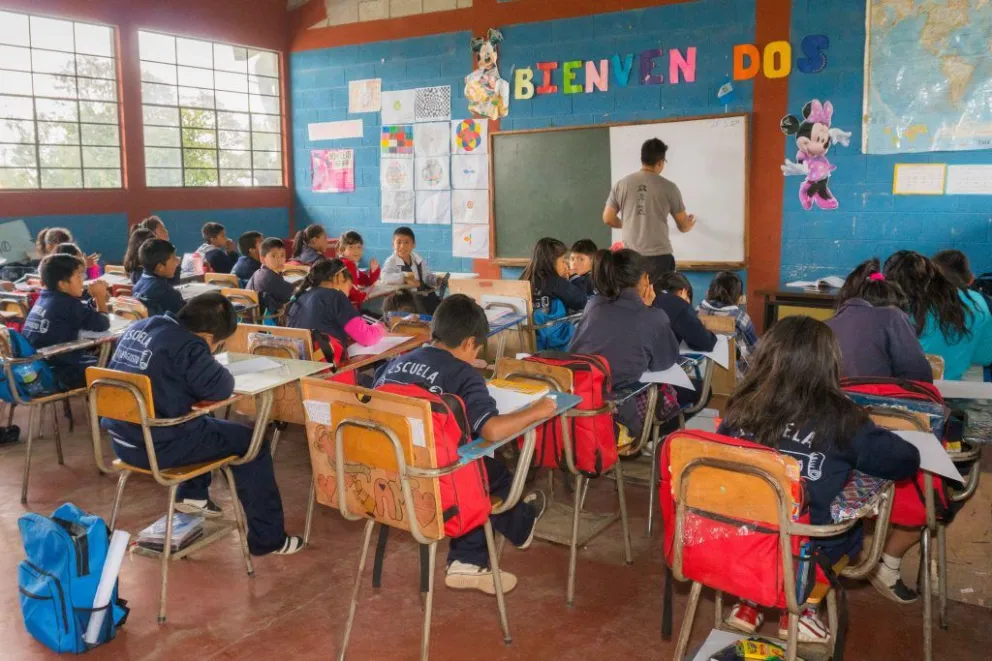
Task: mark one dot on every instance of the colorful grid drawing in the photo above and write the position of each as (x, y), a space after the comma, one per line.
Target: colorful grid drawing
(397, 139)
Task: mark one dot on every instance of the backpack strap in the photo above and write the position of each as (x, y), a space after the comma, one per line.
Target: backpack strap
(380, 554)
(821, 560)
(666, 606)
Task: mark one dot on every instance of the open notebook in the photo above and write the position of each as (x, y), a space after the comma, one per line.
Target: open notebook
(513, 396)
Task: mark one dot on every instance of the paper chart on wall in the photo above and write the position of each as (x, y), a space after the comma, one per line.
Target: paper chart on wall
(434, 207)
(333, 170)
(397, 107)
(470, 171)
(470, 241)
(396, 140)
(470, 207)
(432, 104)
(351, 128)
(469, 136)
(431, 139)
(365, 95)
(431, 173)
(396, 174)
(399, 206)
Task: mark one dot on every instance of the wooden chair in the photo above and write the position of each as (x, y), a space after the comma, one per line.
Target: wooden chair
(130, 308)
(936, 365)
(246, 298)
(295, 268)
(373, 458)
(128, 397)
(114, 268)
(418, 328)
(226, 279)
(121, 290)
(521, 341)
(14, 308)
(723, 380)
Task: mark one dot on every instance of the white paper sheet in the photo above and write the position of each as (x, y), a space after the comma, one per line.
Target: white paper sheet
(383, 345)
(352, 128)
(110, 278)
(716, 641)
(319, 412)
(834, 281)
(399, 206)
(105, 588)
(250, 366)
(933, 456)
(509, 401)
(969, 180)
(417, 435)
(397, 106)
(674, 375)
(431, 139)
(471, 241)
(432, 104)
(434, 207)
(117, 326)
(470, 207)
(918, 179)
(964, 389)
(720, 354)
(431, 174)
(365, 95)
(469, 136)
(470, 172)
(396, 174)
(16, 244)
(455, 275)
(495, 314)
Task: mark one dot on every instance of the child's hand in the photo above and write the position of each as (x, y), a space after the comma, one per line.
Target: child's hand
(409, 278)
(91, 260)
(230, 244)
(545, 407)
(648, 295)
(373, 264)
(98, 290)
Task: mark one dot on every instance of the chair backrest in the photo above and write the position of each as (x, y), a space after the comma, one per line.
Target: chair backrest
(238, 343)
(114, 268)
(896, 419)
(561, 378)
(221, 279)
(130, 308)
(477, 288)
(121, 290)
(295, 269)
(115, 403)
(407, 327)
(936, 365)
(724, 380)
(372, 480)
(15, 305)
(715, 324)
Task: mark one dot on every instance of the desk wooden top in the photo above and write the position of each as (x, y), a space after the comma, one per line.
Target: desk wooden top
(800, 292)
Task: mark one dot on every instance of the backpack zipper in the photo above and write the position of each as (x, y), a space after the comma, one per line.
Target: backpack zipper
(58, 586)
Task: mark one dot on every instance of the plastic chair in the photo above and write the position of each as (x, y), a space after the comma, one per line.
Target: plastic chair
(226, 279)
(936, 365)
(130, 308)
(128, 397)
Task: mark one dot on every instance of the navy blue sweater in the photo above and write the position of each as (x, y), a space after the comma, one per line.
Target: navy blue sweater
(685, 322)
(273, 290)
(245, 267)
(572, 296)
(878, 342)
(158, 294)
(57, 318)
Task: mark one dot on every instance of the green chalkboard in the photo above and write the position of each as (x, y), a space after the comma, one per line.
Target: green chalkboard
(549, 183)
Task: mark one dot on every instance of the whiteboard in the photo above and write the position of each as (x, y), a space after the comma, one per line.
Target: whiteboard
(707, 160)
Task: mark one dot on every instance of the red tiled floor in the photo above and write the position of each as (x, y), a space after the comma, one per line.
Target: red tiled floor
(294, 607)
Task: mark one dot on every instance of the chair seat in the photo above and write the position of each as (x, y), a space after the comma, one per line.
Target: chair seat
(179, 473)
(820, 589)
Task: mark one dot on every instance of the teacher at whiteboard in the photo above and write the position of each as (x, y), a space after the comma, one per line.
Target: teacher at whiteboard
(640, 205)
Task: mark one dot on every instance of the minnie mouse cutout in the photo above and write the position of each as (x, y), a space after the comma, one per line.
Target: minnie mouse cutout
(814, 136)
(488, 94)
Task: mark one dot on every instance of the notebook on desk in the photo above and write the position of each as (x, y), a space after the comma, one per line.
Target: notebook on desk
(512, 396)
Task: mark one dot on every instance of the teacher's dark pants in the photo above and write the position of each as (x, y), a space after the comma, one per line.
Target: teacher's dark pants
(659, 265)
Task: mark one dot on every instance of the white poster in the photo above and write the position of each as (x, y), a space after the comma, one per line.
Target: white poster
(432, 173)
(470, 241)
(469, 136)
(398, 206)
(470, 171)
(969, 180)
(397, 107)
(351, 128)
(470, 206)
(434, 207)
(431, 139)
(396, 174)
(918, 179)
(16, 244)
(365, 95)
(432, 104)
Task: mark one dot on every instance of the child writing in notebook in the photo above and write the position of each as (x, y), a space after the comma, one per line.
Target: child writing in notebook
(580, 259)
(791, 400)
(309, 244)
(351, 246)
(405, 266)
(321, 304)
(875, 335)
(458, 333)
(155, 288)
(132, 261)
(553, 296)
(725, 298)
(249, 244)
(273, 290)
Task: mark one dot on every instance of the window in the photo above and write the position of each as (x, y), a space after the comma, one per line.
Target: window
(211, 113)
(59, 117)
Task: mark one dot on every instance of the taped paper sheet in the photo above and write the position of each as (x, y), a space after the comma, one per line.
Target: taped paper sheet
(470, 172)
(396, 174)
(674, 375)
(319, 412)
(470, 241)
(432, 173)
(720, 354)
(352, 128)
(397, 107)
(417, 435)
(469, 136)
(16, 244)
(933, 456)
(399, 206)
(432, 104)
(969, 180)
(431, 139)
(396, 140)
(365, 95)
(470, 207)
(918, 179)
(333, 170)
(434, 208)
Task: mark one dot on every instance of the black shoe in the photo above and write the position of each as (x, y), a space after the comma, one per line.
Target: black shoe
(11, 434)
(899, 592)
(290, 546)
(205, 508)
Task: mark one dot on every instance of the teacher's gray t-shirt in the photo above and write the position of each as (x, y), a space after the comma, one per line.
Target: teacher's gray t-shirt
(644, 201)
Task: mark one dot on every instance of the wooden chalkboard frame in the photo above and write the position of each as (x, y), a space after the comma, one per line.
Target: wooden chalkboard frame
(687, 266)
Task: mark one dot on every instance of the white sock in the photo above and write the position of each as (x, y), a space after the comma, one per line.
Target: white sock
(889, 569)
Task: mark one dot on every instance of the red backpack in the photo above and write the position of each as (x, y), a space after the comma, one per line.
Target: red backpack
(593, 438)
(465, 501)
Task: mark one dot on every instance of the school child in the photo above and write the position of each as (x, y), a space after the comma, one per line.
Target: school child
(458, 331)
(321, 304)
(175, 352)
(351, 246)
(875, 335)
(580, 259)
(791, 400)
(620, 324)
(955, 266)
(249, 243)
(273, 290)
(725, 298)
(155, 224)
(951, 322)
(553, 296)
(49, 239)
(309, 244)
(154, 288)
(132, 262)
(217, 249)
(405, 266)
(674, 296)
(59, 315)
(403, 304)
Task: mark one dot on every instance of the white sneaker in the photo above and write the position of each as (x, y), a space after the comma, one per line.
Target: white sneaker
(539, 502)
(463, 576)
(205, 508)
(811, 630)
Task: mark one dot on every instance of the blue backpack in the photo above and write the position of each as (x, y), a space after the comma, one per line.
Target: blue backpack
(59, 578)
(556, 337)
(34, 379)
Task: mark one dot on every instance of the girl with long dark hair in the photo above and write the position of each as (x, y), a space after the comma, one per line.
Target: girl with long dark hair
(552, 294)
(321, 304)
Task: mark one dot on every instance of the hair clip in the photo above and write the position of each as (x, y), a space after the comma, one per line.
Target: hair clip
(877, 277)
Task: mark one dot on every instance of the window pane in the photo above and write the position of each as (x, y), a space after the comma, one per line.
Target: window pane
(61, 179)
(234, 139)
(201, 177)
(16, 107)
(199, 138)
(161, 137)
(95, 40)
(18, 156)
(196, 98)
(163, 95)
(46, 61)
(194, 53)
(18, 178)
(59, 157)
(59, 87)
(19, 131)
(199, 158)
(15, 82)
(13, 57)
(268, 177)
(266, 86)
(98, 113)
(160, 116)
(263, 63)
(96, 89)
(265, 123)
(265, 104)
(156, 47)
(14, 29)
(233, 120)
(230, 58)
(158, 157)
(198, 119)
(102, 178)
(62, 133)
(232, 101)
(192, 77)
(153, 72)
(267, 160)
(231, 82)
(51, 34)
(57, 111)
(235, 159)
(101, 157)
(235, 178)
(95, 67)
(164, 177)
(101, 134)
(266, 142)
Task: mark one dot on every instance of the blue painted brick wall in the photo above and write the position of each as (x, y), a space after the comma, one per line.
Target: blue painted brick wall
(104, 233)
(184, 226)
(870, 220)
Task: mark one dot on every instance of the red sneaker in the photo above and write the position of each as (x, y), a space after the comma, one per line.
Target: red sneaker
(745, 617)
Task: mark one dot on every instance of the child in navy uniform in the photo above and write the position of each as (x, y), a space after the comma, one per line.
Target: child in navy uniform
(580, 259)
(553, 296)
(132, 258)
(675, 298)
(217, 249)
(174, 351)
(321, 304)
(154, 288)
(309, 244)
(273, 290)
(458, 331)
(59, 315)
(249, 243)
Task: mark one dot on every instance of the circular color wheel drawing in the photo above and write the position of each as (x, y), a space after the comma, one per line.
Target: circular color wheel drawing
(468, 135)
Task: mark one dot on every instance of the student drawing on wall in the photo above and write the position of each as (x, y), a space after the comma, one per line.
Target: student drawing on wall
(814, 136)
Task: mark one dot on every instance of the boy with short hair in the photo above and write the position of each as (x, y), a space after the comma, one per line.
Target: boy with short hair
(59, 315)
(217, 249)
(154, 288)
(175, 352)
(249, 244)
(580, 261)
(405, 266)
(458, 331)
(273, 290)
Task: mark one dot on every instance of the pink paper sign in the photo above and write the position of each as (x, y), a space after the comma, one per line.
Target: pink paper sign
(333, 170)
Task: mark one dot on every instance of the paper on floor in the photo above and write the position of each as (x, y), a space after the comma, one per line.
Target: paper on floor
(933, 456)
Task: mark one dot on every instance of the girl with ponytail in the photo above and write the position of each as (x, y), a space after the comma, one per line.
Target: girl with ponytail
(553, 296)
(309, 244)
(321, 304)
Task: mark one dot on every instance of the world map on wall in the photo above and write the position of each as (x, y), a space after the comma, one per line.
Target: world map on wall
(929, 76)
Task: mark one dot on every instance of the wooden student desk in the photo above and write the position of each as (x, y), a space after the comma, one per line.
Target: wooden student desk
(791, 301)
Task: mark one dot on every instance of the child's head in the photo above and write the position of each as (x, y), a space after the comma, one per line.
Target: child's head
(580, 256)
(215, 235)
(313, 237)
(793, 386)
(249, 244)
(614, 272)
(675, 283)
(927, 290)
(653, 153)
(63, 273)
(132, 259)
(460, 326)
(328, 273)
(157, 227)
(403, 301)
(48, 239)
(211, 316)
(955, 267)
(273, 254)
(404, 242)
(351, 245)
(69, 249)
(547, 261)
(867, 282)
(725, 289)
(159, 257)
